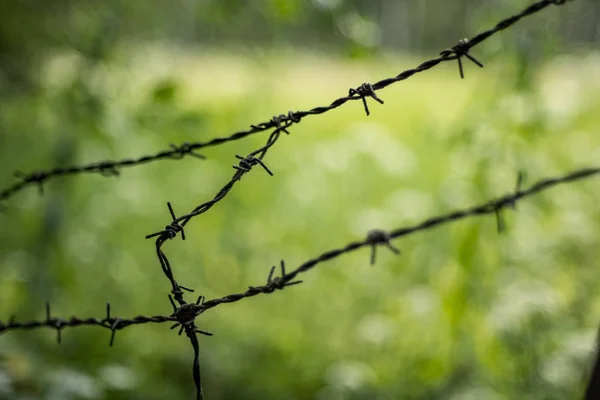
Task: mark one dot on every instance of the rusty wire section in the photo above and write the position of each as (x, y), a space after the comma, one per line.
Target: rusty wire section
(184, 314)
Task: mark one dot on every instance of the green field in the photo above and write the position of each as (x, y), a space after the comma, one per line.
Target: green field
(462, 313)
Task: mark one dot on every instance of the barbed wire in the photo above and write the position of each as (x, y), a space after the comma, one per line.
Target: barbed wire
(111, 168)
(383, 238)
(185, 314)
(112, 323)
(283, 122)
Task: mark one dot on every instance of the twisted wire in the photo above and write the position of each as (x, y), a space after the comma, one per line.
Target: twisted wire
(282, 122)
(184, 314)
(112, 167)
(490, 207)
(57, 323)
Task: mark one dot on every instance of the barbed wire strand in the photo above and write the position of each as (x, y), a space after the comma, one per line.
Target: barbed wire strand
(184, 315)
(171, 231)
(112, 167)
(380, 237)
(183, 311)
(283, 122)
(111, 323)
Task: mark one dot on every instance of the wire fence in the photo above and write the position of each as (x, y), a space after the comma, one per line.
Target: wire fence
(112, 167)
(184, 314)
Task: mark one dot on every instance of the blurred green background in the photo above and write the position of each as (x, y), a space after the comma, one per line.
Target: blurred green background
(463, 313)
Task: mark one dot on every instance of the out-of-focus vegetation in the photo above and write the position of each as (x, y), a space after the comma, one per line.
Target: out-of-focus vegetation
(463, 313)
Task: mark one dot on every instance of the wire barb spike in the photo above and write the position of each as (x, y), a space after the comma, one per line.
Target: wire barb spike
(363, 91)
(376, 237)
(171, 230)
(186, 314)
(246, 164)
(186, 148)
(500, 224)
(35, 177)
(459, 51)
(55, 323)
(113, 328)
(108, 169)
(277, 120)
(520, 180)
(279, 282)
(512, 202)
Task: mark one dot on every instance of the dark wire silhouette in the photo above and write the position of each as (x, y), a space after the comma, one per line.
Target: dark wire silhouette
(184, 314)
(111, 168)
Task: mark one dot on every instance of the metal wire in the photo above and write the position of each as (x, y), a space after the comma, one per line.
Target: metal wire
(111, 168)
(185, 314)
(380, 237)
(112, 323)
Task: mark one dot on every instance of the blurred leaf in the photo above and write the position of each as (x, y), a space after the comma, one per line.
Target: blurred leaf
(165, 91)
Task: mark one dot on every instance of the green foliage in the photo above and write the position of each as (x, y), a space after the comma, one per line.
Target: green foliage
(463, 312)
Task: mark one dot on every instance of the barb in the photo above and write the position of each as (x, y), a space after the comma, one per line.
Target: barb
(111, 167)
(35, 178)
(185, 149)
(500, 224)
(186, 315)
(171, 230)
(278, 283)
(363, 91)
(458, 52)
(379, 236)
(382, 237)
(246, 163)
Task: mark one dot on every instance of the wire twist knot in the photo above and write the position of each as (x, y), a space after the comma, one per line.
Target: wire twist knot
(35, 177)
(55, 323)
(171, 230)
(114, 326)
(278, 120)
(459, 51)
(512, 202)
(376, 237)
(293, 117)
(184, 149)
(108, 169)
(363, 91)
(246, 164)
(186, 314)
(275, 283)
